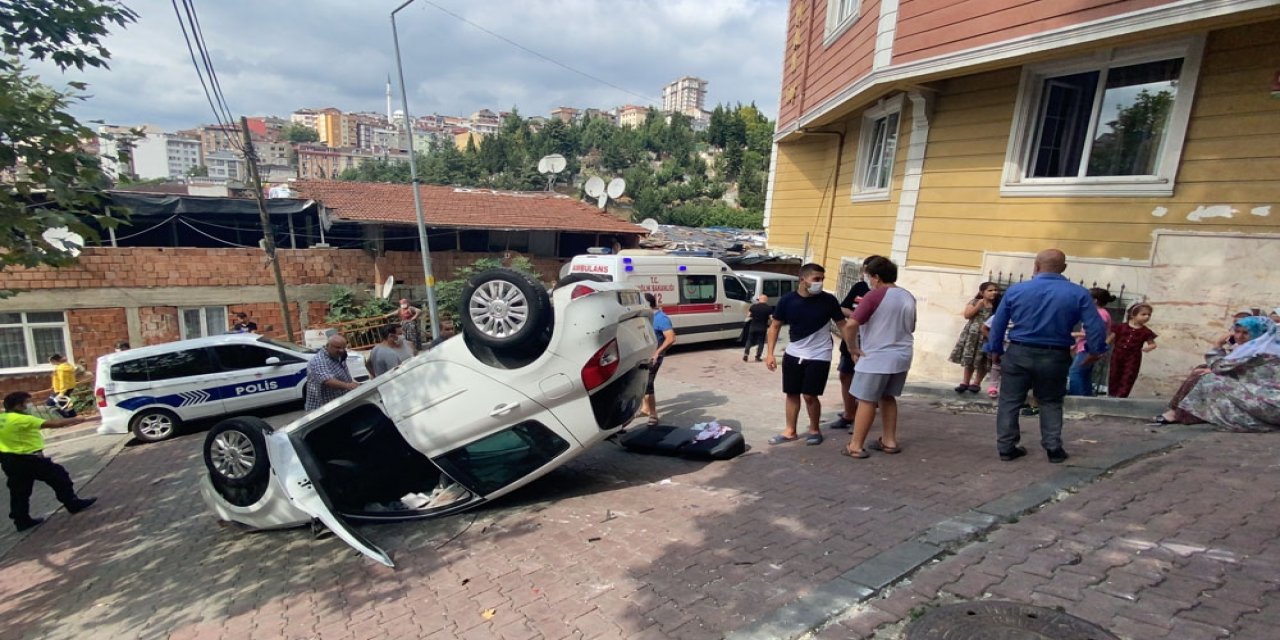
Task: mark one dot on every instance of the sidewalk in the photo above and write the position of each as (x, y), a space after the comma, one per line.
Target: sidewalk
(613, 545)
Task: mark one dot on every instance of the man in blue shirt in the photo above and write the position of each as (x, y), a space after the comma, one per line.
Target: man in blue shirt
(666, 336)
(1039, 316)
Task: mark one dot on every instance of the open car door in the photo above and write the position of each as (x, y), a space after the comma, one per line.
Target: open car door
(295, 477)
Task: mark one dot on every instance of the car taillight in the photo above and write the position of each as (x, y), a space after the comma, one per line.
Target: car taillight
(101, 395)
(580, 290)
(601, 366)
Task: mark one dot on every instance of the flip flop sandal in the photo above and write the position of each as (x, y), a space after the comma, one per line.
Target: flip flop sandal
(652, 422)
(813, 439)
(1161, 420)
(861, 455)
(961, 388)
(973, 388)
(779, 439)
(878, 445)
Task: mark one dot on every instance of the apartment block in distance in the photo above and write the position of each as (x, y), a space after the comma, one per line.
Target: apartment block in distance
(686, 95)
(1138, 136)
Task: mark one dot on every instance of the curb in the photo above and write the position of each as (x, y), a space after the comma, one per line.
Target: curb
(1138, 408)
(867, 580)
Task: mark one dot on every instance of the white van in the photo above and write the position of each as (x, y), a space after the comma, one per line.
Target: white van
(767, 283)
(151, 391)
(704, 298)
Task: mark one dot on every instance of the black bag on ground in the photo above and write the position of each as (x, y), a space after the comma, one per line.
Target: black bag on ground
(681, 441)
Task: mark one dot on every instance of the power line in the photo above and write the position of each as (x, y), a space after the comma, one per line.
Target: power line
(542, 56)
(209, 95)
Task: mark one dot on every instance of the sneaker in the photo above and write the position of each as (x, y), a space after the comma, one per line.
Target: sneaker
(1014, 454)
(839, 423)
(447, 496)
(759, 359)
(744, 357)
(1030, 411)
(23, 525)
(1057, 456)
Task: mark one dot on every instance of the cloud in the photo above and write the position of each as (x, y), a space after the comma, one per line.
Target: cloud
(275, 56)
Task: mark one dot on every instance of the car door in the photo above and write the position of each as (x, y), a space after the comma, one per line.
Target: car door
(258, 376)
(444, 405)
(184, 381)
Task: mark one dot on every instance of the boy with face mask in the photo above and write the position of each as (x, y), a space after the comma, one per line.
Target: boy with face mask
(807, 359)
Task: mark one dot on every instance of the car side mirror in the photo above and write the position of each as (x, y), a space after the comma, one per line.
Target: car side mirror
(273, 361)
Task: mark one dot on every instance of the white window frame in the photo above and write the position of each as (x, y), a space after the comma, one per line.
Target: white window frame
(204, 321)
(1026, 114)
(837, 24)
(883, 110)
(30, 344)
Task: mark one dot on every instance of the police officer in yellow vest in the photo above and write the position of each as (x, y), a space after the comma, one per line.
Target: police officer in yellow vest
(23, 460)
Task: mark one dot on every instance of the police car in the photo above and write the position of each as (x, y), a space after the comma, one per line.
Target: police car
(151, 391)
(534, 380)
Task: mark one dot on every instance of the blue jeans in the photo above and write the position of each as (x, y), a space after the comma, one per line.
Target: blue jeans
(1043, 371)
(1080, 377)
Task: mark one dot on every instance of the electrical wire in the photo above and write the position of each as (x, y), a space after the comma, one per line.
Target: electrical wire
(542, 56)
(208, 94)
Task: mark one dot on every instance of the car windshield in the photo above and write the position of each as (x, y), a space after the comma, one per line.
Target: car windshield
(289, 346)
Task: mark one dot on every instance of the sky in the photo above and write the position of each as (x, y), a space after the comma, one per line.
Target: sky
(275, 56)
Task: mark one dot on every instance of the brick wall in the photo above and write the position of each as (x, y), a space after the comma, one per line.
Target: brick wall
(95, 332)
(100, 267)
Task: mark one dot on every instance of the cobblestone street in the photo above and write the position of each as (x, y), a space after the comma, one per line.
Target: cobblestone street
(618, 545)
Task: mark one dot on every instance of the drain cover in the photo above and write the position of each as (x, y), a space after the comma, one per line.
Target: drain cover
(1003, 621)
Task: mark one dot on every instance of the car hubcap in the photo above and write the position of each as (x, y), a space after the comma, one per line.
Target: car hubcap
(156, 426)
(232, 454)
(499, 309)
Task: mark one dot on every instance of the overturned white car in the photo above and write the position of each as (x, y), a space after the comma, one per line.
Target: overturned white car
(528, 386)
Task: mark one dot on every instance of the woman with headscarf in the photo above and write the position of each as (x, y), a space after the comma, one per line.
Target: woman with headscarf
(1238, 392)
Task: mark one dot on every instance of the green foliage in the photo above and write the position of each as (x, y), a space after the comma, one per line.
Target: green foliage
(660, 161)
(199, 171)
(50, 181)
(343, 306)
(298, 133)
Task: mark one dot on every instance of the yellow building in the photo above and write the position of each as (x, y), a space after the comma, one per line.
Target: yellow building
(1138, 137)
(329, 124)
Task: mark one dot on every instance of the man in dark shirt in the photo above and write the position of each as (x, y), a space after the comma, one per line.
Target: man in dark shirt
(809, 311)
(844, 419)
(757, 326)
(1043, 311)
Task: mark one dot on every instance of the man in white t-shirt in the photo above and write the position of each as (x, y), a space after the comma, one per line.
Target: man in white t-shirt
(886, 319)
(807, 361)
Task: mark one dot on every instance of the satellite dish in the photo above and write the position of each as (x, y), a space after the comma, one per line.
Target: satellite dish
(326, 219)
(595, 187)
(616, 187)
(64, 239)
(554, 163)
(650, 224)
(603, 200)
(386, 287)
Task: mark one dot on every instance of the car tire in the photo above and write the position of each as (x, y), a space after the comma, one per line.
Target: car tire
(581, 277)
(235, 452)
(154, 425)
(504, 309)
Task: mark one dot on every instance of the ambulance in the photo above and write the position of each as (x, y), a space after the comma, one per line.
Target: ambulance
(704, 297)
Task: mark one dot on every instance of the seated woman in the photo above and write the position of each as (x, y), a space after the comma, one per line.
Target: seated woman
(1238, 392)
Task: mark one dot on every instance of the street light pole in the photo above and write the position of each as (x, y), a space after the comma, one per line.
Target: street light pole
(413, 179)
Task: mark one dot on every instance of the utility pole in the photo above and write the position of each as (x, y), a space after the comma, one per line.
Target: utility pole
(269, 243)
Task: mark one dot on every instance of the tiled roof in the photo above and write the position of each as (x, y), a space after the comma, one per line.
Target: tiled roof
(461, 208)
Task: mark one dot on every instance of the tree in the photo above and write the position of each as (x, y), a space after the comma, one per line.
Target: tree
(50, 180)
(299, 133)
(199, 171)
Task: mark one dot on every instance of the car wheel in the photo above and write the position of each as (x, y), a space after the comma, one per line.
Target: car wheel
(581, 277)
(504, 309)
(235, 452)
(154, 425)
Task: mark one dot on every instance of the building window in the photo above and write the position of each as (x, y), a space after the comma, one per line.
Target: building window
(27, 339)
(841, 14)
(1111, 124)
(877, 148)
(198, 322)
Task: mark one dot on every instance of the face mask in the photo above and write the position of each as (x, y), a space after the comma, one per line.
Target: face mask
(815, 287)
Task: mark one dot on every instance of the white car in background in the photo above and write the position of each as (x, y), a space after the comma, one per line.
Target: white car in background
(151, 391)
(528, 386)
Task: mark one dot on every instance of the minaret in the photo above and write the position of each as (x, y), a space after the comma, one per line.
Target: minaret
(388, 98)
